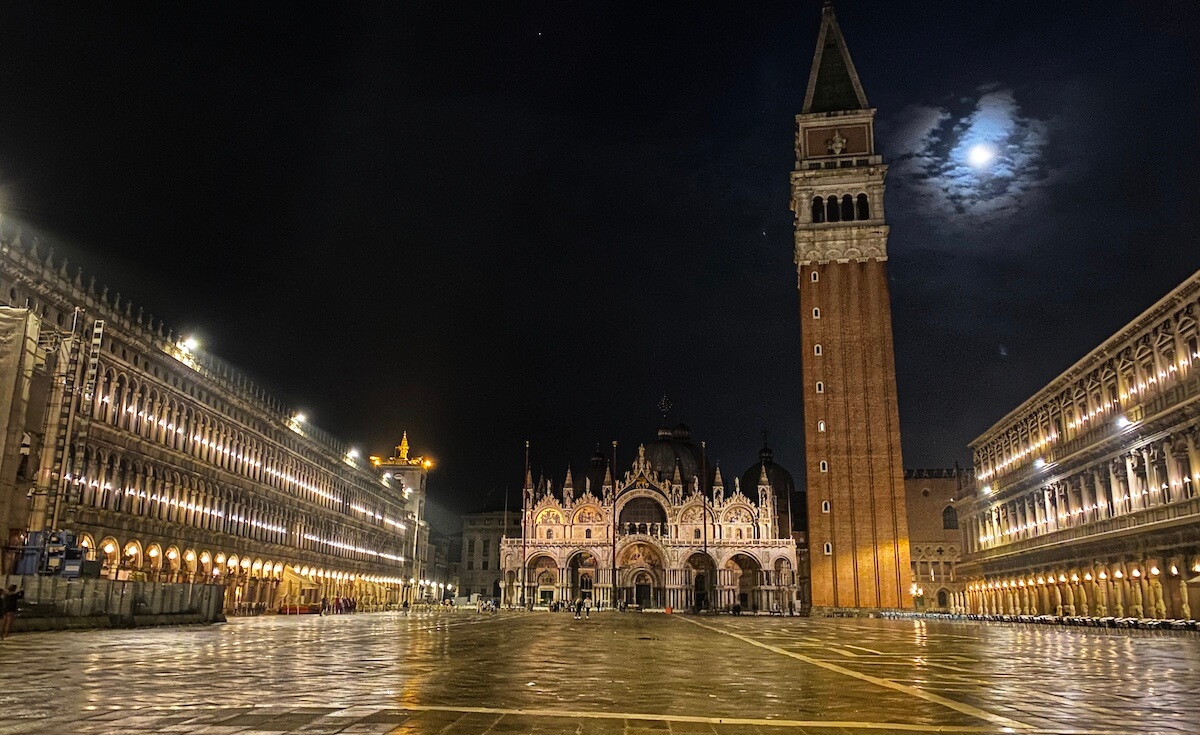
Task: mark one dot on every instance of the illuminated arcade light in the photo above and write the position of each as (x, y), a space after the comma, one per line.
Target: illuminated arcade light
(352, 454)
(300, 418)
(190, 343)
(1122, 422)
(1039, 463)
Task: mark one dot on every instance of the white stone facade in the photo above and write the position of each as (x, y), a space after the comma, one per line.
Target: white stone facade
(674, 545)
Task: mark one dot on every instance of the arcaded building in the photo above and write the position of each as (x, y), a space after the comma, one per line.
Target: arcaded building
(857, 529)
(658, 535)
(1085, 499)
(146, 456)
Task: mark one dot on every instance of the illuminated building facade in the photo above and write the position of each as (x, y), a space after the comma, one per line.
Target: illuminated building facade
(935, 540)
(160, 461)
(1085, 499)
(674, 544)
(857, 529)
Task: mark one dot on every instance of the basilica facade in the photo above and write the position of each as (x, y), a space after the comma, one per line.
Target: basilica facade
(668, 533)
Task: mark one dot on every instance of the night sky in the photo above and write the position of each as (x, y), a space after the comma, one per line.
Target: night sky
(490, 223)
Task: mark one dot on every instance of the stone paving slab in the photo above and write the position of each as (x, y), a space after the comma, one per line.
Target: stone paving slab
(616, 674)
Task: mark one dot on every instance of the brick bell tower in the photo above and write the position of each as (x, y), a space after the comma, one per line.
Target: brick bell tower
(857, 535)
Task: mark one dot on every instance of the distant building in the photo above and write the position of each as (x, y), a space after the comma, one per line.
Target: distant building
(668, 533)
(1085, 499)
(935, 540)
(482, 534)
(131, 452)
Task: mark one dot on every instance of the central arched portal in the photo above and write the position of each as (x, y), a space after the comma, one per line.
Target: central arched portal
(642, 576)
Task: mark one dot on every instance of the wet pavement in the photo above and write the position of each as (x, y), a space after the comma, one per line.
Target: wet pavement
(616, 674)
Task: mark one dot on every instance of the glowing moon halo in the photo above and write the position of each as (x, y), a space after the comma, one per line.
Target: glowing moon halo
(980, 155)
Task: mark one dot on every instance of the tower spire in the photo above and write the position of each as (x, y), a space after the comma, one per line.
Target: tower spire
(833, 84)
(402, 448)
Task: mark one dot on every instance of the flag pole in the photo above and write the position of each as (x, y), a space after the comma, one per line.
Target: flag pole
(612, 463)
(704, 513)
(524, 524)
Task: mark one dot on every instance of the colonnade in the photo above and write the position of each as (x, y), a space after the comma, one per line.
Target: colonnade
(1152, 587)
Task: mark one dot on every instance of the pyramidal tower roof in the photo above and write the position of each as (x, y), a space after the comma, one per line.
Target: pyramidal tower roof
(833, 84)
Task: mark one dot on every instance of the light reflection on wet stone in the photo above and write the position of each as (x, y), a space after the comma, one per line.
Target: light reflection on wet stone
(617, 673)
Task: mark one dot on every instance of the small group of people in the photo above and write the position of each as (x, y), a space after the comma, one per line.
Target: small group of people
(583, 608)
(9, 605)
(486, 606)
(338, 605)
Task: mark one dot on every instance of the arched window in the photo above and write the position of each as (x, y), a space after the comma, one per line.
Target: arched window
(817, 350)
(828, 548)
(847, 208)
(818, 210)
(832, 212)
(814, 276)
(820, 387)
(824, 506)
(824, 466)
(549, 533)
(587, 533)
(737, 534)
(949, 517)
(696, 533)
(864, 208)
(816, 313)
(820, 426)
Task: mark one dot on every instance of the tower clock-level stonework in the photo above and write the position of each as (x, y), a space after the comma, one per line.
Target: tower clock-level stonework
(858, 535)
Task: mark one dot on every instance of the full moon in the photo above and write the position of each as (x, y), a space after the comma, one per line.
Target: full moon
(980, 155)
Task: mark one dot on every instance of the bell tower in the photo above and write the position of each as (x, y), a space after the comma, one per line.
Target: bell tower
(858, 534)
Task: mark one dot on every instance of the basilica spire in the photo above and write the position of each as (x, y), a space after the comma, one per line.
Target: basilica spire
(833, 84)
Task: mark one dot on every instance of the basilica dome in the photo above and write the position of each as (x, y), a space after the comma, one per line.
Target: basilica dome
(784, 487)
(673, 446)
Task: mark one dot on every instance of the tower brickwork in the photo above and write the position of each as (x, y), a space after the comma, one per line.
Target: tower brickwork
(858, 536)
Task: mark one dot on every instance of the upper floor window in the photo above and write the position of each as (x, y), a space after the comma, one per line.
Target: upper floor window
(820, 426)
(824, 506)
(863, 207)
(820, 387)
(814, 277)
(816, 313)
(818, 210)
(824, 466)
(817, 350)
(587, 533)
(828, 549)
(949, 517)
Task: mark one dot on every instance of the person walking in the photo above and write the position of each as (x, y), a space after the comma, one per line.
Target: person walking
(9, 606)
(587, 608)
(578, 609)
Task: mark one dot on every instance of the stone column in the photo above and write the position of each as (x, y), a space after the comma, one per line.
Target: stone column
(1158, 604)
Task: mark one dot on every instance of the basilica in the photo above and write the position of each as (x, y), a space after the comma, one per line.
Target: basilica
(681, 538)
